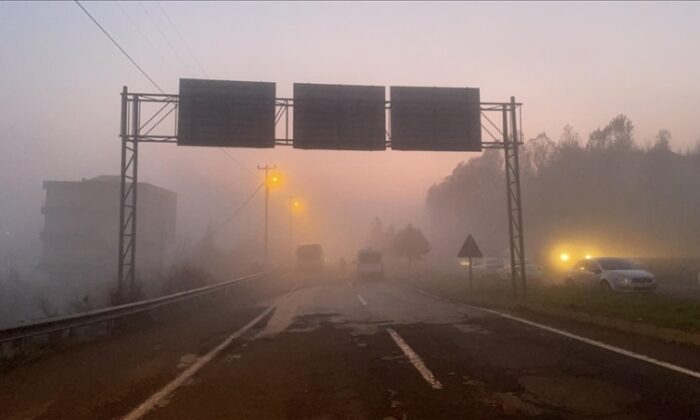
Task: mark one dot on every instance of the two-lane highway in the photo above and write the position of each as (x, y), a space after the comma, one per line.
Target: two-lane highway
(327, 347)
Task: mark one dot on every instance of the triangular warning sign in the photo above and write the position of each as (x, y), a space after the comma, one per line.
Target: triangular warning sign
(470, 249)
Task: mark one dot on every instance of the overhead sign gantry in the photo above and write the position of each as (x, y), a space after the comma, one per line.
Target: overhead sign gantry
(223, 113)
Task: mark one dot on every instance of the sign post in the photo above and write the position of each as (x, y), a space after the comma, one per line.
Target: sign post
(470, 250)
(470, 272)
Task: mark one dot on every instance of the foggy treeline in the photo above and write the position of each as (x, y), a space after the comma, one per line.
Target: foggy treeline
(606, 191)
(408, 243)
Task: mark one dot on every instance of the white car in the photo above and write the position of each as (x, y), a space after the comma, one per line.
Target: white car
(369, 264)
(609, 273)
(532, 270)
(486, 267)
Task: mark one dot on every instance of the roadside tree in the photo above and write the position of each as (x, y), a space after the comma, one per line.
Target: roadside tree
(410, 243)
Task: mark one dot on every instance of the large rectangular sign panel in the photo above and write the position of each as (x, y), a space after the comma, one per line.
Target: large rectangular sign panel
(226, 113)
(339, 117)
(434, 118)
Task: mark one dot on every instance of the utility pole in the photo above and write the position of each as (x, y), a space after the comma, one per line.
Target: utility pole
(267, 169)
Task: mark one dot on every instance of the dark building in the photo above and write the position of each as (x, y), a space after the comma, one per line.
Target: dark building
(81, 225)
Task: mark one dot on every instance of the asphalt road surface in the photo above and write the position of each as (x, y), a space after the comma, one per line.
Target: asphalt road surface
(325, 347)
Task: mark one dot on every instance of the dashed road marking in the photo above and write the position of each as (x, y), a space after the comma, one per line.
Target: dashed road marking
(362, 301)
(415, 360)
(164, 393)
(589, 341)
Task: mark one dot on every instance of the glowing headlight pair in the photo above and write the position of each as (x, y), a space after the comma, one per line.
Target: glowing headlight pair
(566, 257)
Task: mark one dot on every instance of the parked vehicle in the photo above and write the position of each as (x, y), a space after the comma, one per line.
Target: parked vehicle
(369, 264)
(486, 267)
(310, 257)
(610, 273)
(532, 270)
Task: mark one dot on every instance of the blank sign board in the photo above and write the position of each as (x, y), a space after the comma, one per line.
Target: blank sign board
(339, 117)
(440, 119)
(226, 113)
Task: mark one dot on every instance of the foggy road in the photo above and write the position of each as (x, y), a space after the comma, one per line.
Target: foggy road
(326, 347)
(189, 189)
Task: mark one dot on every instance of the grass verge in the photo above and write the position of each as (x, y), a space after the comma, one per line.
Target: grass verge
(650, 314)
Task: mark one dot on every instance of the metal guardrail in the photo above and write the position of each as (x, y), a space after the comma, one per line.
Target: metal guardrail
(68, 322)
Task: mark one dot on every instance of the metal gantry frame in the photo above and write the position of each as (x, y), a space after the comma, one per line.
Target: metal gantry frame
(510, 143)
(507, 136)
(132, 132)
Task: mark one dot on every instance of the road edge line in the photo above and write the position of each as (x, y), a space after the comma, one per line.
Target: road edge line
(589, 341)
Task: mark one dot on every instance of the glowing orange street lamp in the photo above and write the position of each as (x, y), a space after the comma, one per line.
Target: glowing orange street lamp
(271, 180)
(274, 179)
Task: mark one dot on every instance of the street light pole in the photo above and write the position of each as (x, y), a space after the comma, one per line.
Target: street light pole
(292, 203)
(267, 169)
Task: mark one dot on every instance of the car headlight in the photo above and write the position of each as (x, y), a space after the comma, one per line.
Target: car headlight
(627, 280)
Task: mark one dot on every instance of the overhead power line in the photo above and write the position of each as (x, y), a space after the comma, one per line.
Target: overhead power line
(104, 31)
(145, 38)
(172, 47)
(165, 37)
(237, 162)
(182, 38)
(116, 44)
(239, 209)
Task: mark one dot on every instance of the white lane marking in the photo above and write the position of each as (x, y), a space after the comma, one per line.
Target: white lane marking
(431, 295)
(362, 301)
(165, 392)
(415, 360)
(590, 341)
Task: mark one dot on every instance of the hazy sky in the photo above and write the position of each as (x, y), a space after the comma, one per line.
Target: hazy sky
(570, 63)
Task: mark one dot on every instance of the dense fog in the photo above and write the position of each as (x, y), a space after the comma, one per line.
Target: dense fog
(621, 189)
